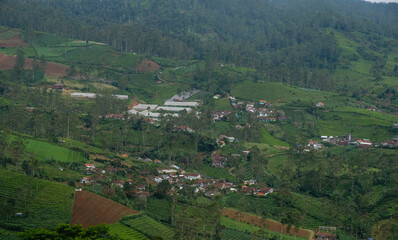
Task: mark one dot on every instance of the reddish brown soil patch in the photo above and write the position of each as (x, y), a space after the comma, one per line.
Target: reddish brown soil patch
(91, 209)
(147, 66)
(13, 42)
(52, 70)
(261, 222)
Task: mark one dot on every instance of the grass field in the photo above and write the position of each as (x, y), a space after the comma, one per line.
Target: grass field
(217, 173)
(46, 151)
(271, 140)
(222, 104)
(272, 91)
(42, 203)
(359, 123)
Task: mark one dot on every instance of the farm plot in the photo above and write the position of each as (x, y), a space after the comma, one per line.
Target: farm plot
(159, 209)
(91, 209)
(229, 234)
(52, 69)
(50, 151)
(264, 223)
(148, 226)
(125, 232)
(42, 203)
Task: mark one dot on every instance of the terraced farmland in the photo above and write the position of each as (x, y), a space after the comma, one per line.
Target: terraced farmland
(148, 226)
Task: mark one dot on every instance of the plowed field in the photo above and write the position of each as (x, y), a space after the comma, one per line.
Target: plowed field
(147, 66)
(13, 42)
(91, 209)
(265, 223)
(52, 69)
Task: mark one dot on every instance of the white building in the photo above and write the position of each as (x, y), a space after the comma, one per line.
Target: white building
(173, 109)
(182, 104)
(83, 95)
(141, 107)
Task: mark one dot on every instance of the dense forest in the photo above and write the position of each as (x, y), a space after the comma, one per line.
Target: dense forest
(286, 40)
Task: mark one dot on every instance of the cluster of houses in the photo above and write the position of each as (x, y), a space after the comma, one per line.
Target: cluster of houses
(218, 161)
(347, 140)
(176, 176)
(393, 143)
(261, 109)
(94, 95)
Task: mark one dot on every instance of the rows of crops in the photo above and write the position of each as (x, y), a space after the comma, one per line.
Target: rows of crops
(42, 203)
(125, 232)
(229, 234)
(159, 209)
(148, 226)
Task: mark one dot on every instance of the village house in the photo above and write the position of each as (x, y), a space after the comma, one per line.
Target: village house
(264, 103)
(118, 183)
(182, 129)
(263, 112)
(218, 161)
(114, 116)
(192, 176)
(86, 180)
(220, 115)
(58, 86)
(315, 145)
(250, 182)
(320, 105)
(89, 166)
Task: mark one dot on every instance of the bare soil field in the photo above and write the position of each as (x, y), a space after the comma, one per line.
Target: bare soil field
(13, 42)
(147, 66)
(91, 209)
(265, 223)
(52, 69)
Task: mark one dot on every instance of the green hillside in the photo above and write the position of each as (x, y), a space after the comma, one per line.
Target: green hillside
(42, 203)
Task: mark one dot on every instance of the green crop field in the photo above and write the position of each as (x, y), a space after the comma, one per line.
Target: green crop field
(42, 203)
(159, 209)
(148, 226)
(125, 232)
(49, 151)
(229, 234)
